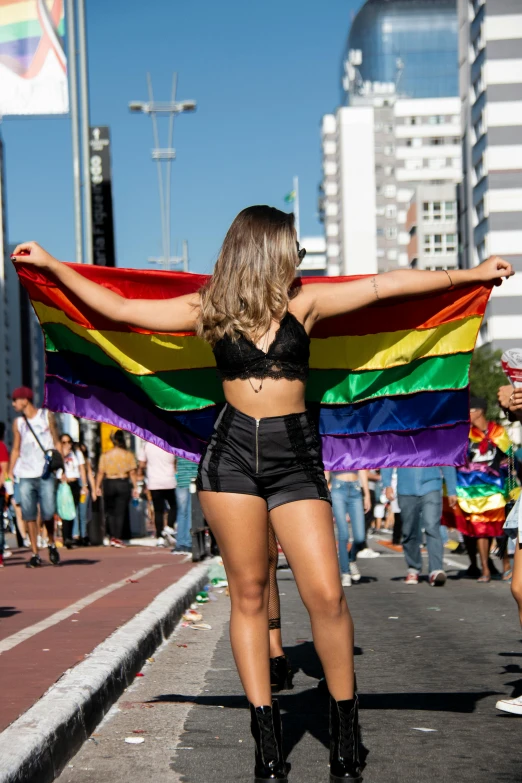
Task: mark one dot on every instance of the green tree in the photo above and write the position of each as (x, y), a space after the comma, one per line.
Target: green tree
(486, 376)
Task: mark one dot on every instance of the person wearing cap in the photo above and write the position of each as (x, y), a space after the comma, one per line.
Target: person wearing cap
(419, 492)
(481, 488)
(34, 424)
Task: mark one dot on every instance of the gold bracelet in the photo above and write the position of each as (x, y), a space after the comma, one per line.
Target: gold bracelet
(449, 278)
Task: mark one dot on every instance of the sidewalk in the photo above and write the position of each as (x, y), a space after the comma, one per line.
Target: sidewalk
(52, 618)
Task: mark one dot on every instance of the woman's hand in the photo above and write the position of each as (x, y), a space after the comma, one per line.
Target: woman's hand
(510, 398)
(493, 270)
(32, 253)
(367, 502)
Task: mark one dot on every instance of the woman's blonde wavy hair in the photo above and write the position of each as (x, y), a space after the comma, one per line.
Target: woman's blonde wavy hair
(251, 281)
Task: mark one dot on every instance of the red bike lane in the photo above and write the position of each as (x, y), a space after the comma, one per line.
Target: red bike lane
(95, 590)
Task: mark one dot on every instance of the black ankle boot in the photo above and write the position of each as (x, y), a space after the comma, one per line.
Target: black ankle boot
(281, 674)
(344, 741)
(268, 736)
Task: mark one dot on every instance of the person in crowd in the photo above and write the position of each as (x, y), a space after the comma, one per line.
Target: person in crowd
(4, 474)
(186, 472)
(34, 432)
(350, 496)
(263, 459)
(117, 480)
(75, 475)
(160, 469)
(510, 399)
(87, 494)
(419, 491)
(481, 488)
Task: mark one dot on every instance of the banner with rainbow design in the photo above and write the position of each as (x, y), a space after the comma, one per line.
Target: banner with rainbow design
(389, 383)
(33, 65)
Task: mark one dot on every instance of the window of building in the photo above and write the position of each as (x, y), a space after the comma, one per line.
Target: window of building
(388, 128)
(392, 255)
(330, 167)
(330, 147)
(413, 163)
(437, 142)
(479, 170)
(390, 191)
(391, 211)
(380, 232)
(482, 252)
(331, 188)
(436, 163)
(480, 211)
(389, 150)
(332, 230)
(436, 119)
(437, 244)
(388, 171)
(332, 209)
(436, 211)
(391, 232)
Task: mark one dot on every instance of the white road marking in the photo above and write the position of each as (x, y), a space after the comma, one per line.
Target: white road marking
(26, 633)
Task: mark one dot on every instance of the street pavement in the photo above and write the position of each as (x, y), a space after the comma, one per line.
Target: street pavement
(52, 618)
(431, 663)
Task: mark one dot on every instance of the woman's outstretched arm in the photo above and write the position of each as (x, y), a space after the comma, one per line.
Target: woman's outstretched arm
(161, 315)
(337, 298)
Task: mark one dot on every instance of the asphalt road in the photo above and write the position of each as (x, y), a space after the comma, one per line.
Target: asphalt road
(431, 663)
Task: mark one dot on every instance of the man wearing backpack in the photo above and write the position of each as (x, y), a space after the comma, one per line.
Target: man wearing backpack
(34, 433)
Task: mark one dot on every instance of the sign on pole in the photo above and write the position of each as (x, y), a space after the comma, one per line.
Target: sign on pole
(33, 65)
(101, 196)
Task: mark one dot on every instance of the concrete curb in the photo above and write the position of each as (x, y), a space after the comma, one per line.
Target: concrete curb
(36, 747)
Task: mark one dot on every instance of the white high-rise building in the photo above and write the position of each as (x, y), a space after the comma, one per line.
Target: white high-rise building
(399, 129)
(490, 55)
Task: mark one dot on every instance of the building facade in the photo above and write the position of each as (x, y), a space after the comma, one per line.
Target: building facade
(398, 129)
(490, 199)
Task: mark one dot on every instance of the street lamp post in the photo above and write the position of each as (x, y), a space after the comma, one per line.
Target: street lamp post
(164, 157)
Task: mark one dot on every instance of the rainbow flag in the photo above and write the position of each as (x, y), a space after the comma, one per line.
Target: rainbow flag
(483, 488)
(389, 384)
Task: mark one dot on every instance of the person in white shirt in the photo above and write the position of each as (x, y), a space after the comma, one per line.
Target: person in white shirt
(29, 459)
(75, 476)
(160, 469)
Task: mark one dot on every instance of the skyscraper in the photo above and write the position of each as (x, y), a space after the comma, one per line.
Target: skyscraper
(397, 133)
(490, 59)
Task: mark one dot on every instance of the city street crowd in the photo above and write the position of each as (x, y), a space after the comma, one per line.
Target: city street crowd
(51, 485)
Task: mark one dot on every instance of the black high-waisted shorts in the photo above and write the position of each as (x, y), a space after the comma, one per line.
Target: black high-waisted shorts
(277, 458)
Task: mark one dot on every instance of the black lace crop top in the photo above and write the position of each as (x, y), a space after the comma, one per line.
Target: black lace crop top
(287, 356)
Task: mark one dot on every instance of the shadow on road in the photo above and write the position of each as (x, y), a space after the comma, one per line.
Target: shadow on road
(8, 611)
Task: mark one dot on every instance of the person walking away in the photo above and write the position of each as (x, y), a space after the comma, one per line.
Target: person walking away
(33, 430)
(117, 479)
(419, 493)
(4, 475)
(482, 488)
(185, 476)
(350, 496)
(160, 468)
(73, 474)
(87, 493)
(510, 399)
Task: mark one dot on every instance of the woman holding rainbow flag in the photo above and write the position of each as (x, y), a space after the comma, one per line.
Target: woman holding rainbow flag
(264, 455)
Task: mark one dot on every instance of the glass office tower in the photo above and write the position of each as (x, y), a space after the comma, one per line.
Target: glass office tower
(412, 43)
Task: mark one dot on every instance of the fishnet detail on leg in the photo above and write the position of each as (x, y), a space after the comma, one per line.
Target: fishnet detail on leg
(274, 609)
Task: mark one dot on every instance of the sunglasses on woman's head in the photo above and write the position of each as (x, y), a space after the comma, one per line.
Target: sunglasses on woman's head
(301, 251)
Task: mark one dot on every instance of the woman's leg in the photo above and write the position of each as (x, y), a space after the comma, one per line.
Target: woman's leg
(274, 604)
(340, 509)
(158, 502)
(170, 497)
(484, 545)
(240, 525)
(356, 514)
(516, 582)
(305, 530)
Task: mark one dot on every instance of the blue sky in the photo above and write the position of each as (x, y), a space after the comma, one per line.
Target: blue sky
(263, 75)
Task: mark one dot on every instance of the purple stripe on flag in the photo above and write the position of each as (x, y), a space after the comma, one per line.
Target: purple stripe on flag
(97, 404)
(23, 48)
(423, 448)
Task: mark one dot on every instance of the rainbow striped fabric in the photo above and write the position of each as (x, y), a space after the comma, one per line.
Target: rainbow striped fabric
(483, 483)
(389, 383)
(28, 29)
